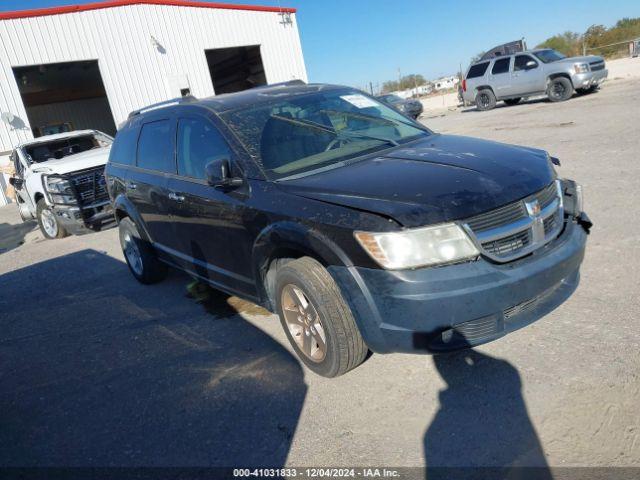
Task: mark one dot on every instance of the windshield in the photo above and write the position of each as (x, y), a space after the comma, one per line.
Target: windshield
(63, 147)
(390, 98)
(549, 56)
(303, 133)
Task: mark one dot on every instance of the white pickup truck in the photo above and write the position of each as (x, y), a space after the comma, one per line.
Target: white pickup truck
(59, 180)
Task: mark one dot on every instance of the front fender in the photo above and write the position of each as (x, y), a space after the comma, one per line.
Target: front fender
(278, 238)
(122, 207)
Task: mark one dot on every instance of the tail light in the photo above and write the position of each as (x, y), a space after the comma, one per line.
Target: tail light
(464, 84)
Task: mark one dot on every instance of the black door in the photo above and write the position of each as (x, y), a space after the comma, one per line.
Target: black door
(210, 223)
(147, 182)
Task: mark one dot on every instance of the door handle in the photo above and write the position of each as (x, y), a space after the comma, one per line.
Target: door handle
(132, 185)
(174, 196)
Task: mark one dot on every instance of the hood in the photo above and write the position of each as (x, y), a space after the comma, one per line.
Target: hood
(72, 163)
(438, 179)
(586, 59)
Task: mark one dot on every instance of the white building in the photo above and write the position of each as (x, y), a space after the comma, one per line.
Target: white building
(446, 83)
(88, 66)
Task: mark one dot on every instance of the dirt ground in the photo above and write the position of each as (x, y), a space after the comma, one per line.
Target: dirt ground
(96, 369)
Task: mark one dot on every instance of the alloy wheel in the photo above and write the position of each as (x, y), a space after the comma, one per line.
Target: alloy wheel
(49, 222)
(132, 252)
(304, 323)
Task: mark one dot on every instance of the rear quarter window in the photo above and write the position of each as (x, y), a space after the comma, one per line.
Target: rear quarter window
(123, 150)
(478, 70)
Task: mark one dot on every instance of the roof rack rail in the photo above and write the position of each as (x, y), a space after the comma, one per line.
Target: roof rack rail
(288, 83)
(166, 103)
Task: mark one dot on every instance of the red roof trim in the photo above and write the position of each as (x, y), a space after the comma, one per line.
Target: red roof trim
(41, 12)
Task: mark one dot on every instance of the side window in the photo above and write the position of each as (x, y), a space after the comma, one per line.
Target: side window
(521, 61)
(478, 70)
(199, 142)
(155, 148)
(501, 66)
(123, 150)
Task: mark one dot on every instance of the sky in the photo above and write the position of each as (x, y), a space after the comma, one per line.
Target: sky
(355, 42)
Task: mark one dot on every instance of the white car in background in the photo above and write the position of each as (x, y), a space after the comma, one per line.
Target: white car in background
(59, 180)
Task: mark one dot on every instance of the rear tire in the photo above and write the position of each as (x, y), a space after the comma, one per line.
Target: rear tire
(512, 101)
(48, 222)
(316, 319)
(485, 100)
(140, 255)
(560, 89)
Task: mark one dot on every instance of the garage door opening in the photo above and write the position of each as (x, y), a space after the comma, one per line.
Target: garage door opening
(235, 69)
(60, 97)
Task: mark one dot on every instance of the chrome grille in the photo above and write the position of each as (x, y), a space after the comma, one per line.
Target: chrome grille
(519, 228)
(90, 186)
(595, 66)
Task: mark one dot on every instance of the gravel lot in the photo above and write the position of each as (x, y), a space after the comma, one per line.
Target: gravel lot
(98, 370)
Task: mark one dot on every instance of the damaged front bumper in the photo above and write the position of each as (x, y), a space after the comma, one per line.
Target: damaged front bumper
(433, 310)
(78, 220)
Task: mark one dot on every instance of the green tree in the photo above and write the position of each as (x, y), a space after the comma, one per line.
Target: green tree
(568, 43)
(407, 82)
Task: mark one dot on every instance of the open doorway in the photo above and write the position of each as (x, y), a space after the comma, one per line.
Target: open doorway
(236, 68)
(60, 97)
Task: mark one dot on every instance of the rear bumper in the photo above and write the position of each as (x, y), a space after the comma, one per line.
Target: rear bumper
(77, 221)
(439, 309)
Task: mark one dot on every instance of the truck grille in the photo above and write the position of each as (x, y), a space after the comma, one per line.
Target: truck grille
(595, 66)
(519, 228)
(90, 186)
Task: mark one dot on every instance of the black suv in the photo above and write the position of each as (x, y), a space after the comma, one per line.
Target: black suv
(362, 229)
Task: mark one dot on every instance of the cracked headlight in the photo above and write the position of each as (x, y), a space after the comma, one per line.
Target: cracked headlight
(419, 247)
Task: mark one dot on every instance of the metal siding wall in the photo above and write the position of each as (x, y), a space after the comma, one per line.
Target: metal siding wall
(133, 71)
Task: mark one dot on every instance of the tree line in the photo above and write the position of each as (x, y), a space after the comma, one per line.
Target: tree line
(572, 43)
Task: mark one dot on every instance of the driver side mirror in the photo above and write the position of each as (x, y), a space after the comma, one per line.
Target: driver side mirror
(530, 65)
(16, 182)
(218, 174)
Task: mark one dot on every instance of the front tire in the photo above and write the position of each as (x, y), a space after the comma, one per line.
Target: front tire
(316, 319)
(140, 255)
(485, 100)
(48, 222)
(560, 89)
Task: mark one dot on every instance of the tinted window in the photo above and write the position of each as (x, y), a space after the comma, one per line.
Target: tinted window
(478, 70)
(155, 148)
(548, 56)
(520, 62)
(501, 66)
(124, 147)
(199, 143)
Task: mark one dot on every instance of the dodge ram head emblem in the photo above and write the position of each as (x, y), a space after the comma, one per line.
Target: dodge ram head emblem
(537, 227)
(533, 208)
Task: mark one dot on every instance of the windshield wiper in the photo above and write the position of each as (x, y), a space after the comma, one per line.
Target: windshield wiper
(333, 131)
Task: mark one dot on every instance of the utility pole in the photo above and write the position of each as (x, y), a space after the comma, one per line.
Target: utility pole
(371, 88)
(399, 79)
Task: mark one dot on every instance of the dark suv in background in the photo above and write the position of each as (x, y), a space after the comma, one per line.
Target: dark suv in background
(361, 228)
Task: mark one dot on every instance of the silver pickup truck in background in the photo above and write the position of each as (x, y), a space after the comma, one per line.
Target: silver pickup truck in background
(526, 74)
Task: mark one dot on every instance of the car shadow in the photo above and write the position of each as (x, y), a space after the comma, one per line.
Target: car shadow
(501, 105)
(98, 370)
(482, 425)
(13, 235)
